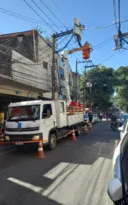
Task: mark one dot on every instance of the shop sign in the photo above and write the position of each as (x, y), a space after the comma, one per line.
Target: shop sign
(18, 92)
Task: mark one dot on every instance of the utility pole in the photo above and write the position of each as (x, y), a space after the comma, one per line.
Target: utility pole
(76, 82)
(53, 68)
(77, 62)
(84, 91)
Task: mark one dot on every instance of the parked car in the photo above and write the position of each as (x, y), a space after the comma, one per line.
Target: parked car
(118, 186)
(95, 118)
(123, 118)
(123, 129)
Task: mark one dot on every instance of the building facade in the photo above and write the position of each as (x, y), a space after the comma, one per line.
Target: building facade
(25, 66)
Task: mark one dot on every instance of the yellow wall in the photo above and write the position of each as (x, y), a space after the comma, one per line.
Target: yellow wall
(13, 91)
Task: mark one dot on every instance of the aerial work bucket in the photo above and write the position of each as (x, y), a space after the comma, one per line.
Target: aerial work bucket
(86, 50)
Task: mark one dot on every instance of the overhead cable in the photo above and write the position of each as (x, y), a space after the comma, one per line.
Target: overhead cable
(53, 13)
(115, 16)
(66, 44)
(16, 15)
(119, 27)
(45, 14)
(125, 19)
(38, 15)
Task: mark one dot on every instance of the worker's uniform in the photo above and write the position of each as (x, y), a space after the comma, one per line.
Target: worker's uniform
(1, 120)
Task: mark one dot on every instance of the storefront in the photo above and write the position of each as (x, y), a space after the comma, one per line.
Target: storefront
(11, 94)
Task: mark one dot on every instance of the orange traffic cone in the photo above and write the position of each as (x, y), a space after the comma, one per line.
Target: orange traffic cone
(73, 135)
(40, 154)
(85, 130)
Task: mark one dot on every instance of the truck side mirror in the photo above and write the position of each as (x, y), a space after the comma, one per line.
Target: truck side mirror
(120, 129)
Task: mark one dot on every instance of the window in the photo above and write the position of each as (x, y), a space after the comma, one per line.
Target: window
(61, 73)
(24, 113)
(47, 111)
(62, 107)
(127, 126)
(45, 65)
(62, 77)
(124, 126)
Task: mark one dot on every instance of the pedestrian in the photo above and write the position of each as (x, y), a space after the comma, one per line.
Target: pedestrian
(101, 116)
(90, 116)
(107, 116)
(1, 121)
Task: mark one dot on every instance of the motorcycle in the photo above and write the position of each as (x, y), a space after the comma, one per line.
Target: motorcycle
(113, 125)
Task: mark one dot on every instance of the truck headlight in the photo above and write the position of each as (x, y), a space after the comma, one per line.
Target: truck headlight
(36, 137)
(7, 138)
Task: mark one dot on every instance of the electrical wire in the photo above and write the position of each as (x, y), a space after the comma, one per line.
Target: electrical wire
(125, 19)
(78, 40)
(29, 75)
(37, 82)
(17, 60)
(63, 39)
(38, 14)
(53, 13)
(115, 16)
(44, 13)
(103, 43)
(66, 44)
(119, 27)
(108, 57)
(27, 18)
(16, 15)
(45, 50)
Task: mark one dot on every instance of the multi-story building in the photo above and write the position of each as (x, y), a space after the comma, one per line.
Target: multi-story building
(25, 66)
(75, 90)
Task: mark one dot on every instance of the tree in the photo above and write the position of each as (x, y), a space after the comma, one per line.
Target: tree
(42, 33)
(121, 87)
(102, 80)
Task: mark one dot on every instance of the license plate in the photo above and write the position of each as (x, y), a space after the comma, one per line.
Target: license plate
(19, 143)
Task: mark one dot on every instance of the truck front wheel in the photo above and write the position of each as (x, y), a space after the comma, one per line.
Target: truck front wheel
(52, 141)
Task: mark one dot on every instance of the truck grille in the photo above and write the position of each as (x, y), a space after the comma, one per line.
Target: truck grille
(22, 129)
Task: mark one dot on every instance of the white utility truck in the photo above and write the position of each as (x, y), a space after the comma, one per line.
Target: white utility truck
(40, 120)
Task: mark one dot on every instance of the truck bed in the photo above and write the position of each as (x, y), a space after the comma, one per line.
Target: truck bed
(75, 119)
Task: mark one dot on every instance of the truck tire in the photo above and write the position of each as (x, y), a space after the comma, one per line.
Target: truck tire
(52, 141)
(78, 131)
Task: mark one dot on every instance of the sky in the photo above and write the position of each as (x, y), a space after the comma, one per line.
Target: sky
(91, 13)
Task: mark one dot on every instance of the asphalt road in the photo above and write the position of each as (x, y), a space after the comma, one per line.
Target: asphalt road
(75, 173)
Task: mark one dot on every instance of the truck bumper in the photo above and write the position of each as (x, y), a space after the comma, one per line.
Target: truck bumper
(22, 138)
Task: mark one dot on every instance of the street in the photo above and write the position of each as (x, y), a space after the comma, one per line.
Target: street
(75, 173)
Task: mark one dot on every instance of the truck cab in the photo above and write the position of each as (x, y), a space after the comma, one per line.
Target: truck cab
(32, 120)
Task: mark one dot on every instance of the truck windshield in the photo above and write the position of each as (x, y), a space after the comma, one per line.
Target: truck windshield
(24, 113)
